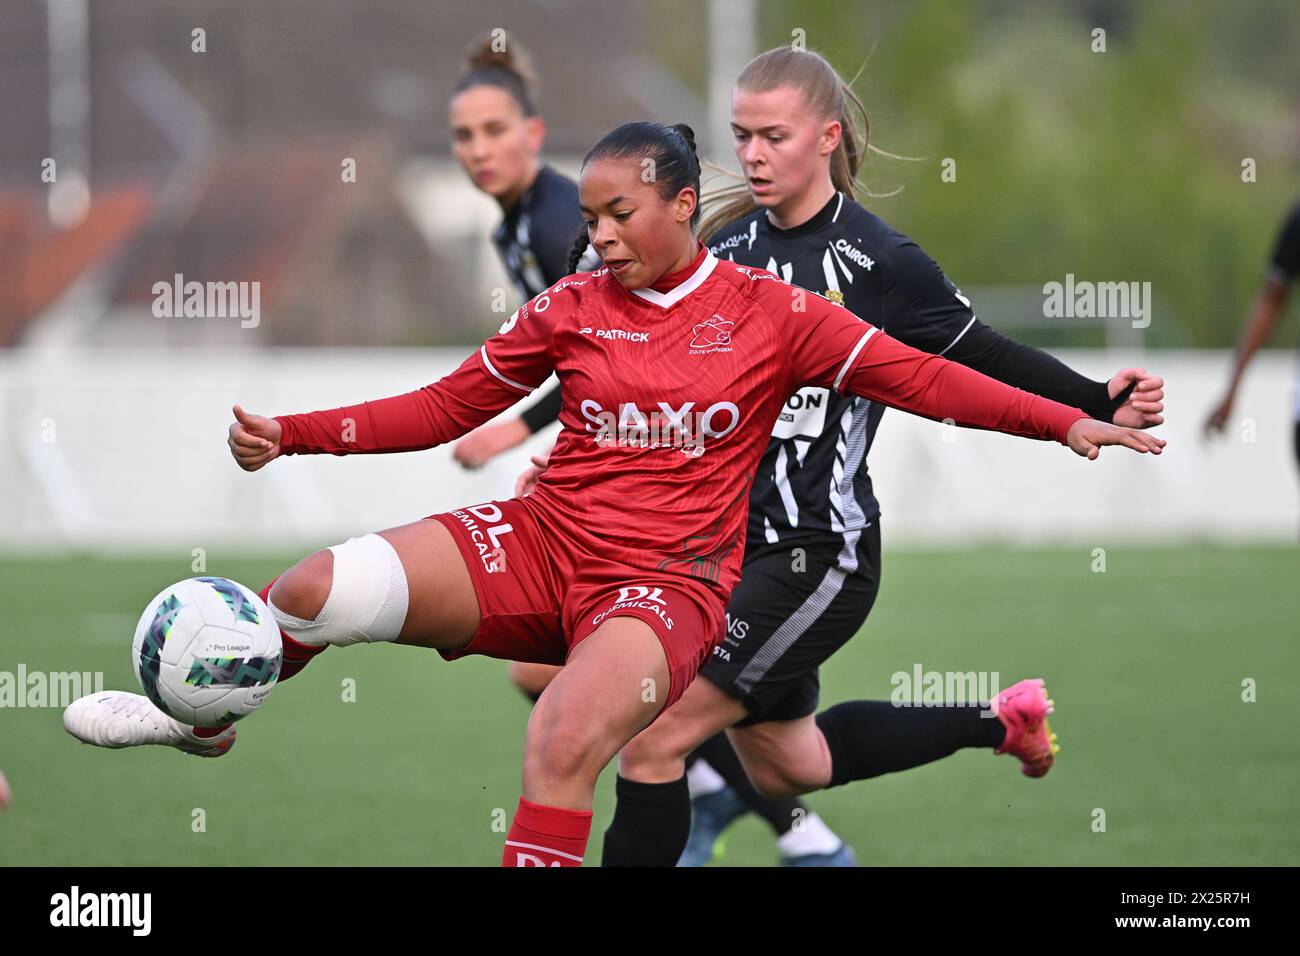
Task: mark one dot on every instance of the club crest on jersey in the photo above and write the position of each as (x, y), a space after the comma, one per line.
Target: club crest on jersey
(835, 295)
(712, 335)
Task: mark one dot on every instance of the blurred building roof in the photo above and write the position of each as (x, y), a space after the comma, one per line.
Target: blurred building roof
(319, 247)
(40, 262)
(302, 68)
(244, 219)
(223, 165)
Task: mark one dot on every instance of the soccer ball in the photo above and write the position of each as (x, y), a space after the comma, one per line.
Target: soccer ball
(207, 651)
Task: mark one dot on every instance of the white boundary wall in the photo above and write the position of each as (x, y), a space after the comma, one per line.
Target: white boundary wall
(121, 451)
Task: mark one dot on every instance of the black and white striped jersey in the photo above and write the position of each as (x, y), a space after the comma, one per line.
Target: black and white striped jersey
(812, 481)
(537, 233)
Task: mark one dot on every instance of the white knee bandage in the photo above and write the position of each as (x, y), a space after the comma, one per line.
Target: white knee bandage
(367, 599)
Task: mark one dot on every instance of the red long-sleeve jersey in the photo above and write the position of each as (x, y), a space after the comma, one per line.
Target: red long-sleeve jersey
(669, 398)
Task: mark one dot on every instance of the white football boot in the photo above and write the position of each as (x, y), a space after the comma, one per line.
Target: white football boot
(114, 718)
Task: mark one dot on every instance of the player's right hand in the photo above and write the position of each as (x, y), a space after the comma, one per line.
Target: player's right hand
(1218, 418)
(528, 480)
(253, 440)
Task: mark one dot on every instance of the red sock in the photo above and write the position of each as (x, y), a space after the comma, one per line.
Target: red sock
(296, 655)
(546, 836)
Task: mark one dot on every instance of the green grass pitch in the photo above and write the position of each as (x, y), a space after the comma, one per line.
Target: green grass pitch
(1145, 661)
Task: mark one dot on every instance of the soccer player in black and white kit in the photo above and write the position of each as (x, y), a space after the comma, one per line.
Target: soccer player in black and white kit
(497, 136)
(812, 500)
(1270, 303)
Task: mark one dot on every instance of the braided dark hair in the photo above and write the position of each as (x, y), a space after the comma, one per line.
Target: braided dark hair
(672, 151)
(580, 244)
(670, 148)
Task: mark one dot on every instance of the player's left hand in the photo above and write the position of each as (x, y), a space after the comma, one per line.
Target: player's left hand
(5, 793)
(1144, 404)
(483, 444)
(526, 482)
(1087, 436)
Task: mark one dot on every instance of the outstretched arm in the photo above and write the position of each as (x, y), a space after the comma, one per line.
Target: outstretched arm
(430, 416)
(421, 419)
(922, 308)
(1131, 397)
(888, 371)
(829, 346)
(507, 367)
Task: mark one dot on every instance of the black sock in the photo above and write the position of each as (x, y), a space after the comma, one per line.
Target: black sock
(721, 756)
(650, 826)
(870, 737)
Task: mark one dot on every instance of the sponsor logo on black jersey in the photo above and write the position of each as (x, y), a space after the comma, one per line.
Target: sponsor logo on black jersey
(854, 254)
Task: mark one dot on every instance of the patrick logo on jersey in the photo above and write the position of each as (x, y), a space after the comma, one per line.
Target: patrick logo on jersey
(711, 335)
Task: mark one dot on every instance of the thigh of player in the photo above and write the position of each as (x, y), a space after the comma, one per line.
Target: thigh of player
(442, 609)
(603, 696)
(791, 611)
(637, 641)
(515, 577)
(408, 585)
(658, 754)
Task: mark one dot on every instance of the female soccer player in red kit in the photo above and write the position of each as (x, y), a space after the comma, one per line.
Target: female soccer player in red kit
(674, 366)
(497, 137)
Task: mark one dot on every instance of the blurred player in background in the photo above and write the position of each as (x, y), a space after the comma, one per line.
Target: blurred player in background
(1270, 304)
(497, 136)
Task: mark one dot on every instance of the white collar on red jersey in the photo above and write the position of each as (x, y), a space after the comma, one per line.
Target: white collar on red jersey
(666, 299)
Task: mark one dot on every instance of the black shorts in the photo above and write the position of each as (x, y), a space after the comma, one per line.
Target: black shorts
(796, 605)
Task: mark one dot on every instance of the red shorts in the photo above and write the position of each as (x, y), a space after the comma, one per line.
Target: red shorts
(541, 593)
